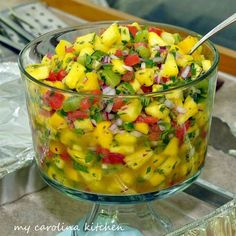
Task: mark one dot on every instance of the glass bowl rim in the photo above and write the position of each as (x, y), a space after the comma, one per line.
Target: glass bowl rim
(100, 23)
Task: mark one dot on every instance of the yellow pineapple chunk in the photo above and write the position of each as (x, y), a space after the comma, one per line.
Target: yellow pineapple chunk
(124, 34)
(86, 50)
(138, 158)
(99, 45)
(145, 76)
(122, 149)
(72, 174)
(135, 85)
(168, 37)
(125, 138)
(170, 67)
(61, 48)
(206, 65)
(103, 134)
(130, 111)
(85, 125)
(38, 71)
(142, 127)
(110, 35)
(191, 109)
(157, 110)
(84, 41)
(169, 165)
(187, 44)
(118, 66)
(57, 121)
(172, 148)
(76, 74)
(155, 40)
(88, 83)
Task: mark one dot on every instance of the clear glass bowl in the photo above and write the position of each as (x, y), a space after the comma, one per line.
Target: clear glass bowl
(103, 163)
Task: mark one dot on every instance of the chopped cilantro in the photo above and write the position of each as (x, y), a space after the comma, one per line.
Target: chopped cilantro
(148, 169)
(80, 167)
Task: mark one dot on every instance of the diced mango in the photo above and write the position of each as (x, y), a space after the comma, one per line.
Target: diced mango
(131, 110)
(57, 121)
(142, 127)
(85, 125)
(103, 134)
(110, 35)
(169, 68)
(76, 74)
(191, 109)
(157, 110)
(145, 76)
(172, 148)
(38, 71)
(61, 48)
(184, 60)
(89, 83)
(138, 158)
(187, 43)
(69, 138)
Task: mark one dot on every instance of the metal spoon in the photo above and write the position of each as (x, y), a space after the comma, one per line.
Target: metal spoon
(219, 27)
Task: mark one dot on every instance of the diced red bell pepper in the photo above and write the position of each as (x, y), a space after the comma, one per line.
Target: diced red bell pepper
(101, 150)
(74, 115)
(155, 132)
(52, 76)
(113, 158)
(165, 79)
(69, 49)
(132, 60)
(65, 156)
(118, 103)
(128, 76)
(155, 30)
(119, 53)
(147, 119)
(85, 104)
(181, 130)
(53, 99)
(146, 89)
(132, 29)
(61, 75)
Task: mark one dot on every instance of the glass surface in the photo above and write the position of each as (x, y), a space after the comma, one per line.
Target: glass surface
(67, 157)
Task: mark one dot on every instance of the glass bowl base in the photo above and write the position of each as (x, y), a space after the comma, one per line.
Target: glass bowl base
(120, 199)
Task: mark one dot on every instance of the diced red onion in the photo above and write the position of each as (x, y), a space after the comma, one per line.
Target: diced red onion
(109, 91)
(108, 108)
(143, 65)
(185, 72)
(129, 68)
(106, 60)
(113, 128)
(162, 48)
(94, 122)
(136, 134)
(169, 103)
(157, 78)
(118, 122)
(113, 57)
(181, 110)
(111, 116)
(157, 47)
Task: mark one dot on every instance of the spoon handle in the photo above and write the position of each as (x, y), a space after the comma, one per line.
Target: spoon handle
(219, 27)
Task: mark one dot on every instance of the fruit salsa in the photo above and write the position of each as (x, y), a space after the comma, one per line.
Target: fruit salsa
(118, 115)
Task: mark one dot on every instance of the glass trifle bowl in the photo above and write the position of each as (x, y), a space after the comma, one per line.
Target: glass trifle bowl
(119, 149)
